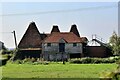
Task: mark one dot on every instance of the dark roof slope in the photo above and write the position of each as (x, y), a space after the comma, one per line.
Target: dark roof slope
(43, 36)
(74, 30)
(31, 38)
(55, 29)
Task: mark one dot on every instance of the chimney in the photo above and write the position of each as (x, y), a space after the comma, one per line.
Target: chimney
(74, 30)
(55, 29)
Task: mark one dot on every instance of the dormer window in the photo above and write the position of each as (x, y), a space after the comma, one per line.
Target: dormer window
(74, 44)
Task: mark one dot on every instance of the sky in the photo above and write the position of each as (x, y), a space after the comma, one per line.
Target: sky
(100, 18)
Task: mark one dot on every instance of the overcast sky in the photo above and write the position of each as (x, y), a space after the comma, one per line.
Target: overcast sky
(99, 18)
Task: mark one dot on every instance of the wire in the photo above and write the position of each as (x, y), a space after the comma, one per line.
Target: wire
(60, 11)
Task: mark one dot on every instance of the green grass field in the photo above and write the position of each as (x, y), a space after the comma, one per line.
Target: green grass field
(55, 70)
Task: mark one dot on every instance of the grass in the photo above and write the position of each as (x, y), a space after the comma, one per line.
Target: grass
(55, 70)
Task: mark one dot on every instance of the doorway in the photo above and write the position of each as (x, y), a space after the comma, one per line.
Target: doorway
(61, 47)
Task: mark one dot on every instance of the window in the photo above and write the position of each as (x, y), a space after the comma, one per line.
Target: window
(48, 44)
(74, 44)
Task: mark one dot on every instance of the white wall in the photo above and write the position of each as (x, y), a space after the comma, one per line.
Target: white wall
(53, 48)
(52, 52)
(68, 47)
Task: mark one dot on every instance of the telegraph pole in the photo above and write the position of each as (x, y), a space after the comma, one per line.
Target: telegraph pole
(15, 39)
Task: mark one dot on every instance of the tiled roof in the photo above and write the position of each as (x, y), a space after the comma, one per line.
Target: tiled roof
(31, 38)
(69, 37)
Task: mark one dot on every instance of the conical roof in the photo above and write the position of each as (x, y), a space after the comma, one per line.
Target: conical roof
(31, 38)
(55, 29)
(74, 30)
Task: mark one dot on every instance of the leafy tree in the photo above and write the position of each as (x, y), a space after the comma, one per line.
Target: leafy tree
(115, 43)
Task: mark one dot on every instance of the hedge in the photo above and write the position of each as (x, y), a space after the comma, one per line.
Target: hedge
(88, 60)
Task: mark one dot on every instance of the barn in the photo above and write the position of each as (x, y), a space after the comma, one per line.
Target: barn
(100, 51)
(65, 45)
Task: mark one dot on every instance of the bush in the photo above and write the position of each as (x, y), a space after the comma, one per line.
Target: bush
(86, 60)
(45, 62)
(18, 62)
(93, 60)
(26, 60)
(32, 61)
(29, 60)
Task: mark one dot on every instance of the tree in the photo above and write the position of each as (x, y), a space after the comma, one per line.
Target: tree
(115, 43)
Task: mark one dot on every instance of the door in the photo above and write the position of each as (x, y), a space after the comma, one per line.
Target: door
(61, 47)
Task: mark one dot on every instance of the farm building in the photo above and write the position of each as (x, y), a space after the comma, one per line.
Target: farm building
(65, 45)
(55, 45)
(100, 50)
(31, 43)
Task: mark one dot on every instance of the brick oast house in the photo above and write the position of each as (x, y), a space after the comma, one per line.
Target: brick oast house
(31, 43)
(54, 45)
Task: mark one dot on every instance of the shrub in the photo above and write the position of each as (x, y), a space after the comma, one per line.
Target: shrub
(86, 60)
(93, 60)
(26, 60)
(29, 60)
(18, 62)
(75, 61)
(33, 59)
(45, 62)
(107, 75)
(118, 62)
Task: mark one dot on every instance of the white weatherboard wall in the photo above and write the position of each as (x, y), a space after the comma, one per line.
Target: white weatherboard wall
(68, 48)
(53, 48)
(52, 52)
